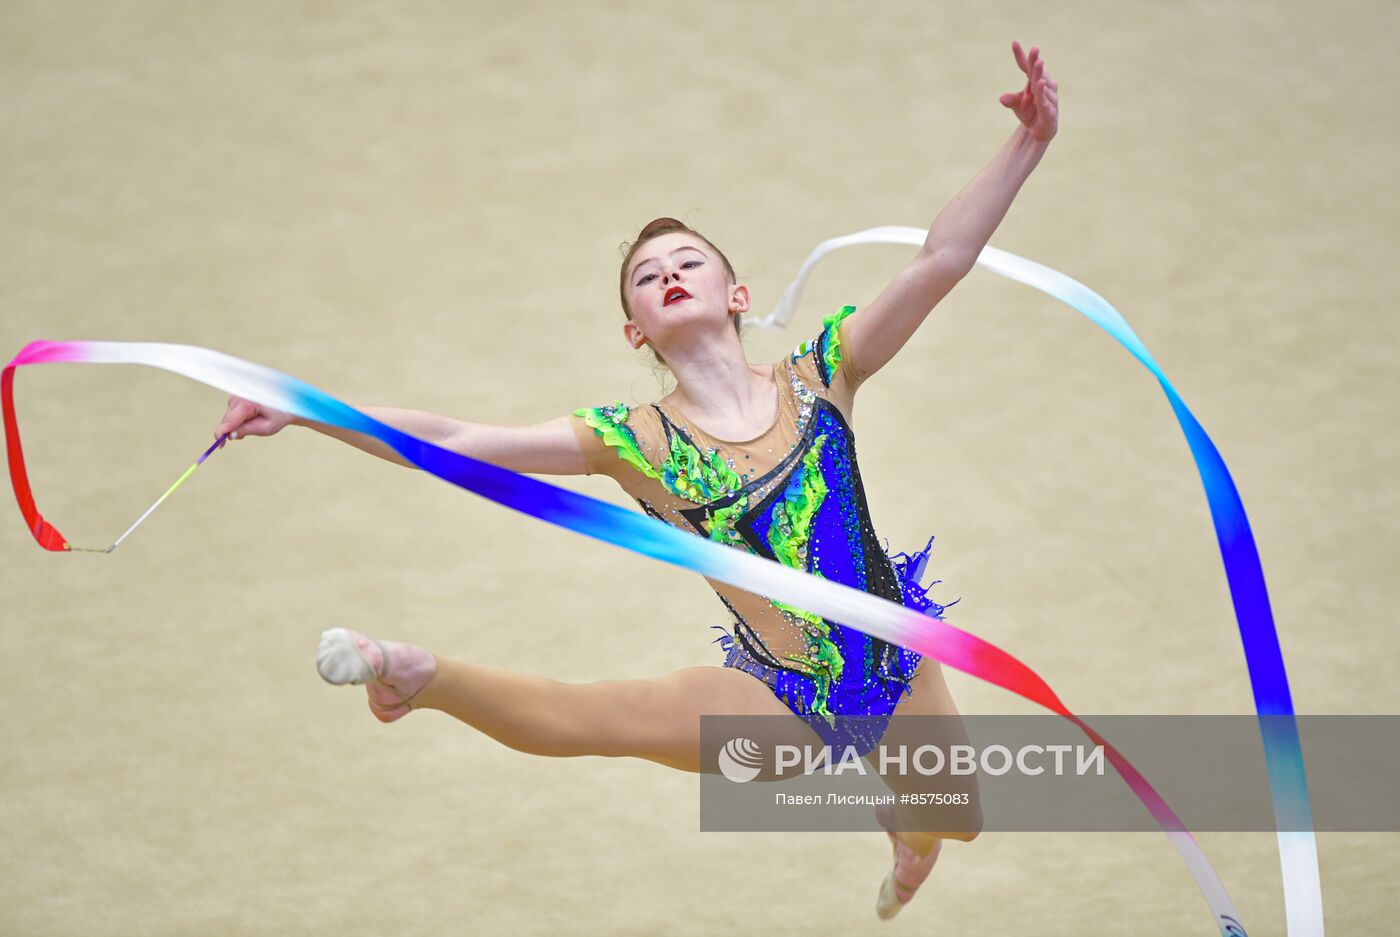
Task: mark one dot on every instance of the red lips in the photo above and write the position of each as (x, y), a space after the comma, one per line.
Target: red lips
(673, 294)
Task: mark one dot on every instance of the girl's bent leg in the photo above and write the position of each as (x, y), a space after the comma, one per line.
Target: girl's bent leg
(923, 828)
(917, 850)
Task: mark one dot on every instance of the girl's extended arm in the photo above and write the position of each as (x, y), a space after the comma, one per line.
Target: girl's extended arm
(961, 229)
(549, 448)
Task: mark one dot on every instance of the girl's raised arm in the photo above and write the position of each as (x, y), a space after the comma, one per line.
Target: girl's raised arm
(962, 229)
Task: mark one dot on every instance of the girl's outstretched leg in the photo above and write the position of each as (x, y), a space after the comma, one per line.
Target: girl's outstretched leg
(657, 719)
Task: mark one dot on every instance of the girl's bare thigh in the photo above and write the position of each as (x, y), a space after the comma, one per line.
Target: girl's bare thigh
(659, 719)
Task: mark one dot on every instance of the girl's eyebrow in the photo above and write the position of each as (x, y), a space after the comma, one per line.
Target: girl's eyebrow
(650, 260)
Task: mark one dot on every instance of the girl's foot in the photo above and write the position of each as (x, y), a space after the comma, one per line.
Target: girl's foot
(910, 869)
(393, 674)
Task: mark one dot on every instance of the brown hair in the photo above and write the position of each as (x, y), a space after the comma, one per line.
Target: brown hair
(653, 229)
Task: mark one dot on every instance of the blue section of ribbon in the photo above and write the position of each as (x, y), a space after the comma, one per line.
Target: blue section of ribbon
(1263, 657)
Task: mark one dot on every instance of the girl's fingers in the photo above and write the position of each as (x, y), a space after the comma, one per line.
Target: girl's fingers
(238, 414)
(230, 420)
(1040, 92)
(1027, 64)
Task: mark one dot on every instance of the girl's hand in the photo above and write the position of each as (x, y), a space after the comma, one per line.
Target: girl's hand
(1037, 105)
(245, 418)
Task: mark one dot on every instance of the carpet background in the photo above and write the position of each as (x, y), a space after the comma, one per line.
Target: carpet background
(422, 206)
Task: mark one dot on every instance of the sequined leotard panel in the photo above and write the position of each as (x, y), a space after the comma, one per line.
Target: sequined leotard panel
(792, 494)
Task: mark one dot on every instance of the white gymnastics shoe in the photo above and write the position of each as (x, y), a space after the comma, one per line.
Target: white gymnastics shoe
(392, 673)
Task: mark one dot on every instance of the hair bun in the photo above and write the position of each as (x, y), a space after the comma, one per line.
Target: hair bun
(661, 226)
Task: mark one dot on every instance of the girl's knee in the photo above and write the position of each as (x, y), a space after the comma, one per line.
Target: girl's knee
(962, 822)
(943, 806)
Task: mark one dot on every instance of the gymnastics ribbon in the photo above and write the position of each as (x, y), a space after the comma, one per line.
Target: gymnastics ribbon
(1302, 886)
(924, 634)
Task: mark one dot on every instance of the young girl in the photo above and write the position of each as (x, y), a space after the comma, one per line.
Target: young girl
(760, 457)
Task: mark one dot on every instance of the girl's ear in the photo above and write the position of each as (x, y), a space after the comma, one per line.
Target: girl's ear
(633, 335)
(739, 299)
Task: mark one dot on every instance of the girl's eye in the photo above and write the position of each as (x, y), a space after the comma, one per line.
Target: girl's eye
(651, 276)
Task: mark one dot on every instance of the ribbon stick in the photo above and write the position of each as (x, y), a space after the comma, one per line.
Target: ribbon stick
(46, 534)
(178, 482)
(881, 618)
(1302, 886)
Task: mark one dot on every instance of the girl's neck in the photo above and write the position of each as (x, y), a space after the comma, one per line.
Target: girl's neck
(723, 390)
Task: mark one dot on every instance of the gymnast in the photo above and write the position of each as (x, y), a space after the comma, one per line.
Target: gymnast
(760, 457)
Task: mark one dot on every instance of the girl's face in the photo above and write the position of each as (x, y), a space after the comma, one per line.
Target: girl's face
(674, 284)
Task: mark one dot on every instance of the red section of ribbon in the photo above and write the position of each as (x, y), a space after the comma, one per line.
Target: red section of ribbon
(48, 536)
